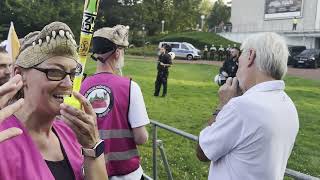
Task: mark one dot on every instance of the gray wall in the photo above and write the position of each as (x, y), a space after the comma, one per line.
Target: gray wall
(309, 42)
(248, 16)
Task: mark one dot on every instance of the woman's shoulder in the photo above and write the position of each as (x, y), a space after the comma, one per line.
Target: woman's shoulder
(10, 121)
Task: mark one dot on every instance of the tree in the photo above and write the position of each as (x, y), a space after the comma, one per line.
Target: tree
(206, 7)
(33, 15)
(220, 13)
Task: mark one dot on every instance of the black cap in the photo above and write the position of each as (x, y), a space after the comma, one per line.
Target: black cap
(102, 45)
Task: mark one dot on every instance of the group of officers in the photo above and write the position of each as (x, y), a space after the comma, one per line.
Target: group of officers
(217, 53)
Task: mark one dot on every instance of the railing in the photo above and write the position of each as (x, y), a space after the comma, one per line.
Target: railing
(158, 144)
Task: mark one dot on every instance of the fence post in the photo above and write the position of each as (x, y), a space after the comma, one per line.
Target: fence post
(164, 159)
(154, 151)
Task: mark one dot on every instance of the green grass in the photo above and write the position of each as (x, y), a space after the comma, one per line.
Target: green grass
(191, 98)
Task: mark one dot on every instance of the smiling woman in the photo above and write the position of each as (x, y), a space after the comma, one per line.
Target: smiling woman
(48, 148)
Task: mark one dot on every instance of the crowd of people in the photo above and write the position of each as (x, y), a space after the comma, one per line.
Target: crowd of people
(250, 135)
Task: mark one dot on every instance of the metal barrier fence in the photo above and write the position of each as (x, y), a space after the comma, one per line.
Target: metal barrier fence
(158, 144)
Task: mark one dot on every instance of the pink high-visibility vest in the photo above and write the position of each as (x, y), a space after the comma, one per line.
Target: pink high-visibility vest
(110, 97)
(21, 159)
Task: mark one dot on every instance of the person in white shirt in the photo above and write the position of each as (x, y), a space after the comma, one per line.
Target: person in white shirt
(253, 135)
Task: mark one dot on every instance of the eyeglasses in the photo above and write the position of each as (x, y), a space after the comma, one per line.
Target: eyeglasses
(57, 74)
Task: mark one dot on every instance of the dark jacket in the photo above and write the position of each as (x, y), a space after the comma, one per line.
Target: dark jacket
(230, 66)
(165, 58)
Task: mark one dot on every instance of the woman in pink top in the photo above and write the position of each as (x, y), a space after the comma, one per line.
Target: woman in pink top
(49, 148)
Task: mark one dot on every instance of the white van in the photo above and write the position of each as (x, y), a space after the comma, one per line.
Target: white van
(183, 50)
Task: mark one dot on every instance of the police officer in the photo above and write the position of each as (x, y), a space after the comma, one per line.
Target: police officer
(220, 52)
(230, 66)
(212, 52)
(205, 52)
(164, 63)
(228, 51)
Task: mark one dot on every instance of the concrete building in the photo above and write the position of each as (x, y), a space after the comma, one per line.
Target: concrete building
(254, 16)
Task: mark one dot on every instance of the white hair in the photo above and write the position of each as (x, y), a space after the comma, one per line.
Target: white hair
(271, 53)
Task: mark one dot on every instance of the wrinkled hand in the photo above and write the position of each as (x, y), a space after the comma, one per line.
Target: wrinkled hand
(83, 122)
(228, 91)
(7, 91)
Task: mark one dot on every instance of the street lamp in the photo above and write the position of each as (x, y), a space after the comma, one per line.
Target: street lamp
(162, 29)
(202, 21)
(143, 36)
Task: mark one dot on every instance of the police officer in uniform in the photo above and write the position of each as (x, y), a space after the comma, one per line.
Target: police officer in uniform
(164, 63)
(205, 52)
(228, 51)
(212, 52)
(230, 66)
(220, 52)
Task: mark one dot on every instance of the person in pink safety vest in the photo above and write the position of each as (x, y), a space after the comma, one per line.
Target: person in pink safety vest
(118, 104)
(49, 148)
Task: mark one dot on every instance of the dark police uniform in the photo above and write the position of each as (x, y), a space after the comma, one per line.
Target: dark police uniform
(220, 53)
(230, 66)
(163, 73)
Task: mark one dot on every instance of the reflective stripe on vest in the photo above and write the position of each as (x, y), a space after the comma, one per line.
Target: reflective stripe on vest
(118, 156)
(120, 133)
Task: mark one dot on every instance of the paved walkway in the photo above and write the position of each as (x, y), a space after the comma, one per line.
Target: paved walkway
(306, 73)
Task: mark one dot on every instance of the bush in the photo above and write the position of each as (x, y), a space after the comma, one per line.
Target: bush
(149, 50)
(198, 39)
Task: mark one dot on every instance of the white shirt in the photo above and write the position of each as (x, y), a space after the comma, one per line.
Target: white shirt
(138, 116)
(253, 135)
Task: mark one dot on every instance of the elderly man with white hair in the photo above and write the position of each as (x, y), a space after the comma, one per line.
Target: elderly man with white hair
(251, 135)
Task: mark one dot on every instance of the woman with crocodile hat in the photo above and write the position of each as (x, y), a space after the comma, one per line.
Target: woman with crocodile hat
(50, 148)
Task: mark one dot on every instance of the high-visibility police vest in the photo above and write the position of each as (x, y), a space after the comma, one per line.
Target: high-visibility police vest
(110, 97)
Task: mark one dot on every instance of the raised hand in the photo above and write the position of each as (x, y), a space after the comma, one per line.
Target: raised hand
(83, 122)
(7, 91)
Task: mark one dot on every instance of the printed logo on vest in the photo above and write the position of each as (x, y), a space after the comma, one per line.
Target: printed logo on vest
(101, 99)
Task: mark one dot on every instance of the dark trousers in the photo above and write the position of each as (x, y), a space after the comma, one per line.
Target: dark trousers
(211, 55)
(205, 55)
(294, 27)
(162, 78)
(220, 56)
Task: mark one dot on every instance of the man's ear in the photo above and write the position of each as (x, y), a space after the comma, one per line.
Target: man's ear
(252, 57)
(117, 53)
(19, 70)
